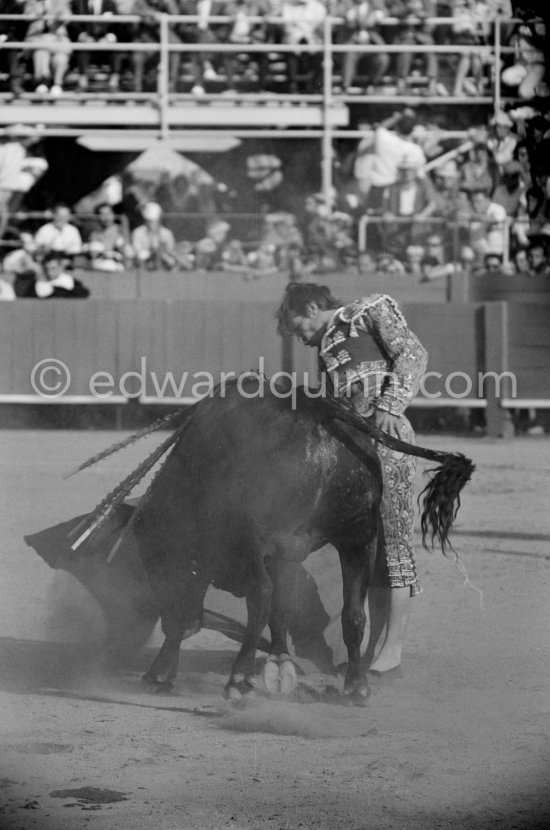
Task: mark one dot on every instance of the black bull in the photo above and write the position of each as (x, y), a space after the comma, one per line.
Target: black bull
(252, 486)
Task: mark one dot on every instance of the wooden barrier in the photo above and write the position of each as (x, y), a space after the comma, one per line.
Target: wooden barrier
(173, 347)
(213, 285)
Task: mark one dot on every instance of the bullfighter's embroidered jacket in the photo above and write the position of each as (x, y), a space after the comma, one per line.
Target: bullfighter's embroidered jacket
(368, 342)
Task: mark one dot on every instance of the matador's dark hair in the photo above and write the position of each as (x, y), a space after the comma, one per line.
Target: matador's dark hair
(297, 297)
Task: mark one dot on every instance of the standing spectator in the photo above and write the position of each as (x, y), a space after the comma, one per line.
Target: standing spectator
(96, 32)
(380, 154)
(107, 246)
(154, 244)
(57, 283)
(18, 169)
(59, 235)
(303, 24)
(488, 226)
(51, 60)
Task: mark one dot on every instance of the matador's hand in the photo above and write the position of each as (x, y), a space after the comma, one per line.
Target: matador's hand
(386, 421)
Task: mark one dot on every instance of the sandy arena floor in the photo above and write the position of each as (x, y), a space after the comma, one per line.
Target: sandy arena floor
(462, 741)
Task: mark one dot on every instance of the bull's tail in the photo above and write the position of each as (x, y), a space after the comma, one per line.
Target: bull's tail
(441, 496)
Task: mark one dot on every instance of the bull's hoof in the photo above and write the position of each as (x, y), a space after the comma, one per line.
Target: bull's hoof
(157, 685)
(356, 695)
(240, 690)
(279, 675)
(271, 674)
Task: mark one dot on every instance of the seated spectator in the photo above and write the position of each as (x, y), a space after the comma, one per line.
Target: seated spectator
(361, 28)
(234, 258)
(59, 235)
(210, 249)
(510, 193)
(154, 244)
(416, 32)
(468, 31)
(51, 60)
(521, 263)
(14, 30)
(537, 256)
(528, 71)
(208, 33)
(22, 267)
(56, 282)
(411, 199)
(7, 292)
(478, 171)
(148, 31)
(493, 264)
(522, 157)
(303, 24)
(107, 247)
(488, 226)
(503, 141)
(96, 31)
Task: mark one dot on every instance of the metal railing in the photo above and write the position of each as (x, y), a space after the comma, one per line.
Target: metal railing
(163, 99)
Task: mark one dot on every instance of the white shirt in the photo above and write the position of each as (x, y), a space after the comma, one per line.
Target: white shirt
(66, 239)
(45, 288)
(302, 21)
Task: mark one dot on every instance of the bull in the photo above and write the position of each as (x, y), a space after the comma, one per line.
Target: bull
(250, 486)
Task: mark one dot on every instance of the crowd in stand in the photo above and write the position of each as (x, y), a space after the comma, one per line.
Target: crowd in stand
(47, 67)
(482, 206)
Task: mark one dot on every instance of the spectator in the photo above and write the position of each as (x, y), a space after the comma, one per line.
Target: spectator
(522, 157)
(411, 199)
(51, 60)
(303, 24)
(416, 32)
(477, 172)
(488, 226)
(210, 249)
(203, 68)
(6, 291)
(148, 31)
(521, 263)
(361, 28)
(107, 246)
(381, 152)
(154, 244)
(467, 31)
(503, 142)
(510, 193)
(96, 32)
(23, 267)
(59, 235)
(537, 256)
(528, 71)
(13, 30)
(57, 283)
(18, 169)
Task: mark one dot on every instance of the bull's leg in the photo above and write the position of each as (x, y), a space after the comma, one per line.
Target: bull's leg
(182, 613)
(279, 673)
(258, 603)
(356, 567)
